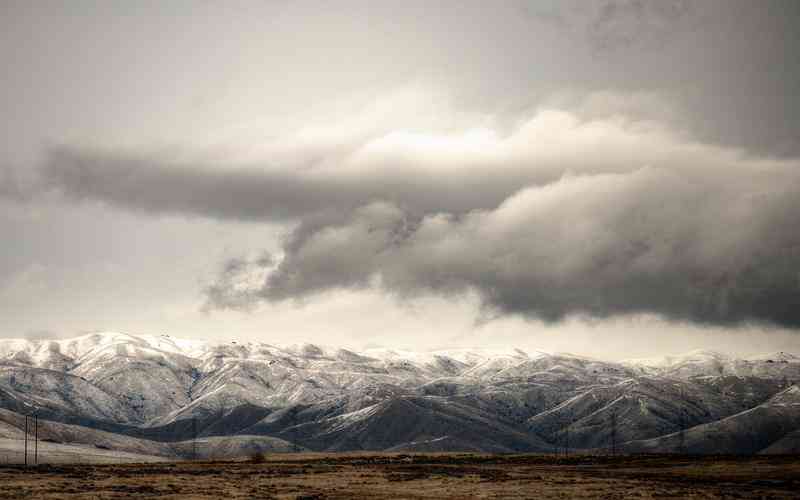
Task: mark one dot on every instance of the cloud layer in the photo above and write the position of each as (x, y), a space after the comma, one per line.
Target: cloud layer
(561, 215)
(647, 241)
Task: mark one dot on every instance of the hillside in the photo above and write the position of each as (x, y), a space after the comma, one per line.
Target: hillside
(152, 395)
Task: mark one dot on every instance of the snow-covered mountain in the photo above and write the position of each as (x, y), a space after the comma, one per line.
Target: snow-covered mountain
(144, 392)
(702, 362)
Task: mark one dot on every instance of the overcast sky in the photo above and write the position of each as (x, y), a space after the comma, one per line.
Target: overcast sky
(613, 178)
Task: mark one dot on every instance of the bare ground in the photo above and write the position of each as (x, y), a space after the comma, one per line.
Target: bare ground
(310, 476)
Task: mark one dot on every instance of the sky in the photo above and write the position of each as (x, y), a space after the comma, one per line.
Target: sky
(614, 178)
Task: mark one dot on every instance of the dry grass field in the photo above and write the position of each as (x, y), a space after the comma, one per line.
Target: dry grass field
(308, 476)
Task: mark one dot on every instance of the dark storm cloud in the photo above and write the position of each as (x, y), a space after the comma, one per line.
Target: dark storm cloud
(648, 241)
(703, 234)
(597, 217)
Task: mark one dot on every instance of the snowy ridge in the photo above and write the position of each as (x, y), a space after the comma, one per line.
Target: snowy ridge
(327, 397)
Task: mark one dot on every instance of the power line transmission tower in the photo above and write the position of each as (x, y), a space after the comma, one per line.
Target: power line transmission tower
(614, 433)
(224, 436)
(682, 424)
(26, 440)
(566, 435)
(295, 448)
(194, 438)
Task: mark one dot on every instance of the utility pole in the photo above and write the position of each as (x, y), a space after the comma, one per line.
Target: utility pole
(26, 440)
(566, 440)
(613, 432)
(36, 439)
(682, 423)
(194, 438)
(295, 448)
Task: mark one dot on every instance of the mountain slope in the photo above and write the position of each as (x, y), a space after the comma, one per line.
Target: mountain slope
(750, 431)
(154, 394)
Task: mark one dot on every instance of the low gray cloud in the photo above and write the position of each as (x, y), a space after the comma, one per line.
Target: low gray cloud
(562, 215)
(233, 286)
(687, 231)
(455, 172)
(158, 183)
(648, 241)
(565, 214)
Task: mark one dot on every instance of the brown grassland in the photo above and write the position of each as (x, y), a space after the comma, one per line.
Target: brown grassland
(309, 476)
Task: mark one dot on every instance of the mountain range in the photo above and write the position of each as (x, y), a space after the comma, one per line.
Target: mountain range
(160, 396)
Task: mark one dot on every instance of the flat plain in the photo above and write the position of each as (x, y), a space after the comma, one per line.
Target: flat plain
(354, 475)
